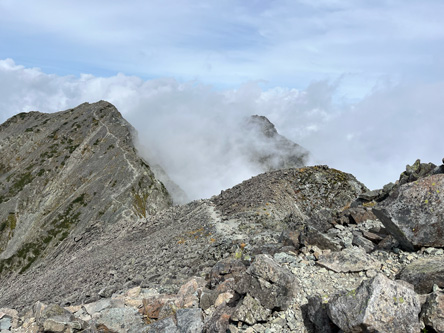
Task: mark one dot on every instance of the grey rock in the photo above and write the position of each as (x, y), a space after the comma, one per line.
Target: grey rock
(317, 314)
(360, 241)
(121, 320)
(189, 320)
(165, 325)
(5, 323)
(250, 311)
(432, 312)
(273, 285)
(414, 214)
(219, 321)
(377, 305)
(424, 273)
(348, 260)
(314, 237)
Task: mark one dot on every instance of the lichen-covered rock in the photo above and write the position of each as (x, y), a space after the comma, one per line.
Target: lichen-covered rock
(414, 213)
(377, 305)
(424, 273)
(433, 311)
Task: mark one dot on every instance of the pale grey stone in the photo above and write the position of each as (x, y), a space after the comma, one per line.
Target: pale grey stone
(377, 305)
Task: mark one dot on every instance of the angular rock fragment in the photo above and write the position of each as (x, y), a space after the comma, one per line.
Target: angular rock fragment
(318, 316)
(377, 305)
(414, 213)
(348, 260)
(189, 320)
(424, 273)
(273, 285)
(311, 236)
(433, 311)
(360, 241)
(250, 311)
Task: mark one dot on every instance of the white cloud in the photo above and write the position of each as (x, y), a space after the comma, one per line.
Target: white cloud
(192, 128)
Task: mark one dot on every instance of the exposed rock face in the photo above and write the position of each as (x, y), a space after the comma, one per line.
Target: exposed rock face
(414, 213)
(272, 151)
(378, 305)
(61, 173)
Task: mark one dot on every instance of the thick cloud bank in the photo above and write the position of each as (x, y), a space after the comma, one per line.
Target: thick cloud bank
(193, 130)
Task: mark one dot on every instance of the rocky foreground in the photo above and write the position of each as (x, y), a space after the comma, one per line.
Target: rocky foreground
(296, 250)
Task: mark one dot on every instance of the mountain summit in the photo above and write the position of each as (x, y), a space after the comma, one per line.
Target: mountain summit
(65, 172)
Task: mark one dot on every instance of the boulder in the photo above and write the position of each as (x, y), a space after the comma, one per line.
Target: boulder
(353, 259)
(250, 311)
(189, 320)
(424, 273)
(377, 305)
(414, 214)
(121, 320)
(433, 311)
(314, 237)
(271, 284)
(318, 316)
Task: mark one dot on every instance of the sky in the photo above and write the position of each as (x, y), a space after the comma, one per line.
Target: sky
(358, 83)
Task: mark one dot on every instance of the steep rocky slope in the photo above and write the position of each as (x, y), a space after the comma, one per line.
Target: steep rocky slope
(61, 173)
(182, 241)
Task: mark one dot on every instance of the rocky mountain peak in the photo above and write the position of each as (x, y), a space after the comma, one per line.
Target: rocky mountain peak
(63, 172)
(269, 150)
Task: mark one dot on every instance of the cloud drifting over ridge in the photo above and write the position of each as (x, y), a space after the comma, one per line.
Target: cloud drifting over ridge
(188, 126)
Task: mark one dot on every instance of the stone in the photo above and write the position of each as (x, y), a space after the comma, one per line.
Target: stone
(318, 316)
(359, 215)
(414, 213)
(250, 311)
(273, 285)
(165, 325)
(208, 298)
(348, 260)
(372, 236)
(121, 320)
(433, 311)
(424, 273)
(377, 305)
(188, 295)
(219, 322)
(189, 320)
(388, 243)
(362, 242)
(225, 269)
(313, 237)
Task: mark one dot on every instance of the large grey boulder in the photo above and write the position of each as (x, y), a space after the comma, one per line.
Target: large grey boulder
(432, 312)
(414, 213)
(271, 284)
(424, 273)
(377, 305)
